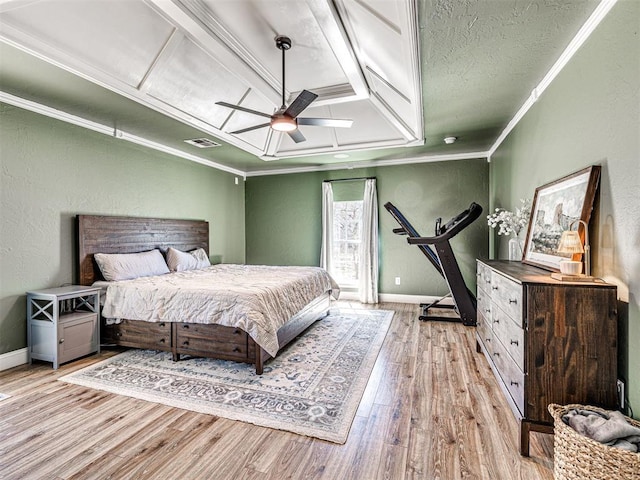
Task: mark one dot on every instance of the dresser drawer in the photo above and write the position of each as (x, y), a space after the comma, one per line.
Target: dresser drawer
(511, 375)
(508, 295)
(510, 335)
(484, 305)
(484, 333)
(483, 278)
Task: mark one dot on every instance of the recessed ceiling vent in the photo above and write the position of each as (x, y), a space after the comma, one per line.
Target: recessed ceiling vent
(202, 143)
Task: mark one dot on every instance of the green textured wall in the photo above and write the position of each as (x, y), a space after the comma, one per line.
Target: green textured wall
(590, 115)
(284, 219)
(52, 171)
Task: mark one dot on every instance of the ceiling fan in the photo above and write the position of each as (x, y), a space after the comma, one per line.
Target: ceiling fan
(285, 119)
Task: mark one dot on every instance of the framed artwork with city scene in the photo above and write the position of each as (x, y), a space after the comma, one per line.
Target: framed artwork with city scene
(556, 206)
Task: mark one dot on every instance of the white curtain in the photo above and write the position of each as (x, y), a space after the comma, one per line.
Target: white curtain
(368, 273)
(327, 226)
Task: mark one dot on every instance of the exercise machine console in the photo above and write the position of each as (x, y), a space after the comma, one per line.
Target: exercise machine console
(438, 251)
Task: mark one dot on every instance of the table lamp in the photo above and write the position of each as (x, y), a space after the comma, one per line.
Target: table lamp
(571, 243)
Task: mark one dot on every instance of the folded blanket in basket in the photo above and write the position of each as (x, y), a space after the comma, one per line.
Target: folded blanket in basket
(610, 428)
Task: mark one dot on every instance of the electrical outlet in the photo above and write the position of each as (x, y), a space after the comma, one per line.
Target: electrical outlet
(620, 385)
(397, 280)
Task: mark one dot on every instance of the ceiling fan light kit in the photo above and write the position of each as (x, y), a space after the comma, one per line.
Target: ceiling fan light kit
(283, 124)
(285, 119)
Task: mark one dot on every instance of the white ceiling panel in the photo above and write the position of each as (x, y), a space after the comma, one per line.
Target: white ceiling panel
(121, 39)
(252, 25)
(366, 119)
(190, 80)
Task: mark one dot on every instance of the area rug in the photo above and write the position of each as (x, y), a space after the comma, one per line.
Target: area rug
(313, 387)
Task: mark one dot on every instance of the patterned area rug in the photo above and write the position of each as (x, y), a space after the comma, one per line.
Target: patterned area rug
(313, 387)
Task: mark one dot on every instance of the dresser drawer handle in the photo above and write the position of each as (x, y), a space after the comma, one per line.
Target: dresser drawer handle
(118, 334)
(185, 343)
(514, 383)
(514, 342)
(236, 349)
(237, 331)
(513, 300)
(162, 340)
(185, 326)
(161, 324)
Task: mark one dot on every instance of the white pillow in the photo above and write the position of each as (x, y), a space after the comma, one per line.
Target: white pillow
(179, 261)
(125, 266)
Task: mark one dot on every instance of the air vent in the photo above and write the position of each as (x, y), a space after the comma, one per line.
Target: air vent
(202, 143)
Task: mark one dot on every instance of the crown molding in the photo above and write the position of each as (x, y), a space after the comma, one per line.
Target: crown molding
(112, 132)
(583, 34)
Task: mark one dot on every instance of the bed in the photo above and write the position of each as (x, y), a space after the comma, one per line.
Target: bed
(193, 334)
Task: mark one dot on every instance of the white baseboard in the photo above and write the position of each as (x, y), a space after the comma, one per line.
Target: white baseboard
(13, 359)
(395, 298)
(401, 298)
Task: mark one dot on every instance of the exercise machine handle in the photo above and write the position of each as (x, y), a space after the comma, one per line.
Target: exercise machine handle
(452, 228)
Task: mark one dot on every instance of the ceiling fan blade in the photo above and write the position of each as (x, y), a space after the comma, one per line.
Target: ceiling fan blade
(301, 102)
(325, 122)
(244, 109)
(248, 129)
(296, 136)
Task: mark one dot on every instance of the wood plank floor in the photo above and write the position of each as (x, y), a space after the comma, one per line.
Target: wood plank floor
(431, 410)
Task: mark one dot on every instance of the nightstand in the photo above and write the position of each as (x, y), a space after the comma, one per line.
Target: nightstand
(63, 323)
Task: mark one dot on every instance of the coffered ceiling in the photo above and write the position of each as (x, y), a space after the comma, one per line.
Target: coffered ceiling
(408, 73)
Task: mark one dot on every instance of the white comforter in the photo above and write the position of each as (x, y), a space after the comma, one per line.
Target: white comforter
(257, 299)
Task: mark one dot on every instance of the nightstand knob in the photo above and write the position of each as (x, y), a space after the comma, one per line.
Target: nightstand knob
(61, 340)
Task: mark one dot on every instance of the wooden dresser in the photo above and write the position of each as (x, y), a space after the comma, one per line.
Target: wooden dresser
(546, 341)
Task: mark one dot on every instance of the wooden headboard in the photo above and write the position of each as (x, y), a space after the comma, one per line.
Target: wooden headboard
(114, 234)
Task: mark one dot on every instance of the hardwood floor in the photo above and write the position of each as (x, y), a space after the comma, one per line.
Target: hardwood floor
(431, 410)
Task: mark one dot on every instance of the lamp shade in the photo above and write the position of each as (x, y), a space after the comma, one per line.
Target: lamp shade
(570, 242)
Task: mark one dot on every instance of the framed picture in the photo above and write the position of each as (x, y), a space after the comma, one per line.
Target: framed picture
(555, 206)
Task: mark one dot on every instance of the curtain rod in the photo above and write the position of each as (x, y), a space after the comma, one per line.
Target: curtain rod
(348, 179)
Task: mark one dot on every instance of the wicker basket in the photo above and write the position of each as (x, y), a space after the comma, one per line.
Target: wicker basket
(577, 457)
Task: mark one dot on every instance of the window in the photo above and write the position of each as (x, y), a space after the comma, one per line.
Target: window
(347, 237)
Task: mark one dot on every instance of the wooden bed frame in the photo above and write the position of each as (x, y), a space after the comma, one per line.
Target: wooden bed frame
(116, 234)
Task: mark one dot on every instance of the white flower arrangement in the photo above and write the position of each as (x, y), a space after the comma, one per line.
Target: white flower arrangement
(510, 223)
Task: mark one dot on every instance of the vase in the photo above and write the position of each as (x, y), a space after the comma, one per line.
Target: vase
(515, 250)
